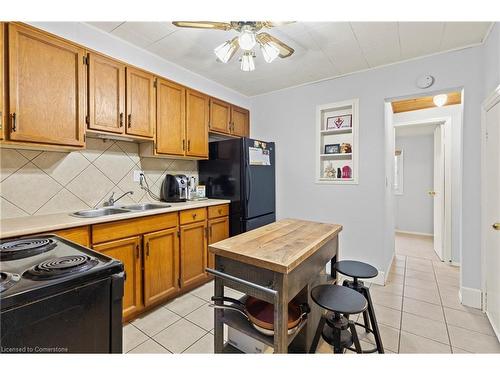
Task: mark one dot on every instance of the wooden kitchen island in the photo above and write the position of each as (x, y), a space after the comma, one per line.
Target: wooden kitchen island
(275, 263)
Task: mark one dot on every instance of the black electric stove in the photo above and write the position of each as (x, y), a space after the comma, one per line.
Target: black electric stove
(58, 296)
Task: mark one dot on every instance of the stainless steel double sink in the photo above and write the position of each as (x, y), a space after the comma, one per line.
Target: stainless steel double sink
(106, 211)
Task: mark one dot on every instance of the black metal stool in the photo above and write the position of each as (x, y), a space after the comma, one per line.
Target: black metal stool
(362, 270)
(340, 302)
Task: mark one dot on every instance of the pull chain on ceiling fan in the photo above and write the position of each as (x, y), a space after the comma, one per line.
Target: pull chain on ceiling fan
(270, 46)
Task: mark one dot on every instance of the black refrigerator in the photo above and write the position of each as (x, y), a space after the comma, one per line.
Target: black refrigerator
(243, 171)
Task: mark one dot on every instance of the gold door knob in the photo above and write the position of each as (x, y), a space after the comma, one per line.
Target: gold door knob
(496, 226)
(431, 193)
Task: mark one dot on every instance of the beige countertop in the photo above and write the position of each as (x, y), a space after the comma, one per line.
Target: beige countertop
(26, 225)
(280, 246)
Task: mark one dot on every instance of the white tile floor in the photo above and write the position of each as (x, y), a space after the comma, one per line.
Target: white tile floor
(418, 312)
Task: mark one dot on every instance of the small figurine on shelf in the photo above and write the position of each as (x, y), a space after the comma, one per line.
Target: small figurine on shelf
(345, 148)
(339, 173)
(329, 171)
(346, 171)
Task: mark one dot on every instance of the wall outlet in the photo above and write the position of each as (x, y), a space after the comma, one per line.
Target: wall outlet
(137, 176)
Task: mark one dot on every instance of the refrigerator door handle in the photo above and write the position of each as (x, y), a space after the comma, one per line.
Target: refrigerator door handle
(248, 183)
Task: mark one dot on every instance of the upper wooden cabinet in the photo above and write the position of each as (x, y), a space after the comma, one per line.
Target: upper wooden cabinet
(2, 86)
(46, 88)
(229, 119)
(240, 121)
(220, 116)
(140, 103)
(197, 116)
(161, 265)
(106, 94)
(170, 118)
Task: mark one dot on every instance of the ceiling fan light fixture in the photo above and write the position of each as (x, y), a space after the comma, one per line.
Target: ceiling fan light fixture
(440, 100)
(225, 51)
(247, 63)
(246, 39)
(269, 51)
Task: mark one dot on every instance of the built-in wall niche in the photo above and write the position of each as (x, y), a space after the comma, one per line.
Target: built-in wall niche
(337, 151)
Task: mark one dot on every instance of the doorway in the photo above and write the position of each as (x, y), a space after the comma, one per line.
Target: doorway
(419, 188)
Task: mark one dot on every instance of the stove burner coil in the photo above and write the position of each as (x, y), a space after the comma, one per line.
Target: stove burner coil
(60, 267)
(7, 280)
(26, 247)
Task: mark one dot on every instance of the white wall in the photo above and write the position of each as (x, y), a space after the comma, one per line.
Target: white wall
(414, 208)
(492, 60)
(110, 45)
(365, 210)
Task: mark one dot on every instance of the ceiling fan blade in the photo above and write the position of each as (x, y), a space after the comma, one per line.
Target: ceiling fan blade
(203, 25)
(285, 50)
(270, 24)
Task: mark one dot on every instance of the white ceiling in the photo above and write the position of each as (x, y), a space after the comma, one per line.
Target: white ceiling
(322, 49)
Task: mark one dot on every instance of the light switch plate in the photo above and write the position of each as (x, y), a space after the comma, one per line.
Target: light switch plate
(137, 175)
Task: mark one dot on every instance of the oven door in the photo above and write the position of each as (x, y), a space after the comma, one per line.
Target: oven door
(80, 320)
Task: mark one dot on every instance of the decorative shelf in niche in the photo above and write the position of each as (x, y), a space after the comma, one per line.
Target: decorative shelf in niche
(337, 145)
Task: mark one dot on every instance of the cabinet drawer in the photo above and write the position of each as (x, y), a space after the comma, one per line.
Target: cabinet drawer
(80, 235)
(192, 216)
(218, 211)
(132, 227)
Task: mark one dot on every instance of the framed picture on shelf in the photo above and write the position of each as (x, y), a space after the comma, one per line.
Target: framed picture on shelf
(332, 149)
(338, 122)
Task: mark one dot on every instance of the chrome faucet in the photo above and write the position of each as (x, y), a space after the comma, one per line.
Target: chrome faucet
(111, 200)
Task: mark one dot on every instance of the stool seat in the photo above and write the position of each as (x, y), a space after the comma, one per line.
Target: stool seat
(353, 268)
(339, 299)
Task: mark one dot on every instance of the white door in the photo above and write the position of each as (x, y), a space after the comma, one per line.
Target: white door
(492, 189)
(438, 192)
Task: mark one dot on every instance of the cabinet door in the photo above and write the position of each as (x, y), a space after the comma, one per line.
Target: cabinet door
(170, 118)
(2, 87)
(240, 121)
(46, 88)
(161, 265)
(193, 253)
(218, 230)
(106, 94)
(220, 115)
(128, 251)
(197, 124)
(140, 103)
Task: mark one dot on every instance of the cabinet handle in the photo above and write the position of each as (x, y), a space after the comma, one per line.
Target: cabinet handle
(147, 249)
(121, 119)
(14, 122)
(137, 251)
(130, 120)
(189, 145)
(183, 145)
(194, 216)
(220, 211)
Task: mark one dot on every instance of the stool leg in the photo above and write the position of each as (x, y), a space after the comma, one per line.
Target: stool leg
(367, 321)
(317, 335)
(337, 342)
(355, 338)
(373, 320)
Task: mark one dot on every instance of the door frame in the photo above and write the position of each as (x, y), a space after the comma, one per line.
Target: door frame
(488, 103)
(445, 122)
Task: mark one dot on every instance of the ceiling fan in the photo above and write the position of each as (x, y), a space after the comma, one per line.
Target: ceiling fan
(270, 46)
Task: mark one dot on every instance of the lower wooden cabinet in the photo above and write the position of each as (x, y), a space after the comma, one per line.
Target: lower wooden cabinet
(161, 265)
(128, 251)
(193, 253)
(79, 235)
(218, 230)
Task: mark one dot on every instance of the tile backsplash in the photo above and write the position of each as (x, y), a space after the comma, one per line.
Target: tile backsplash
(46, 182)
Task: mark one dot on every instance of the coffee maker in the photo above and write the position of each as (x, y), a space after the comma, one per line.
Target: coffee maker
(174, 188)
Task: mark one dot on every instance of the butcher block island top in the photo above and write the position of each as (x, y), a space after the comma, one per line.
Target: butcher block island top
(280, 246)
